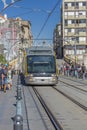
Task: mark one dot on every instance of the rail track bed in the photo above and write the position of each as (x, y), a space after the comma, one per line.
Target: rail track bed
(65, 103)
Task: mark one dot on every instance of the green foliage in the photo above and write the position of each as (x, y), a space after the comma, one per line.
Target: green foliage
(2, 59)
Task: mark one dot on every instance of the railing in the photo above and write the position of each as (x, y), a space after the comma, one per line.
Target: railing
(70, 60)
(18, 119)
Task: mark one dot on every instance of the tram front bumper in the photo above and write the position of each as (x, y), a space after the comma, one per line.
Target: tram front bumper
(41, 80)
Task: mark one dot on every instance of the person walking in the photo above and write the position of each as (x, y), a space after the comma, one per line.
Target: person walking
(1, 72)
(83, 71)
(72, 70)
(4, 77)
(9, 78)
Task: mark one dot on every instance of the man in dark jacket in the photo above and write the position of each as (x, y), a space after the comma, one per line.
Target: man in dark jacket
(83, 70)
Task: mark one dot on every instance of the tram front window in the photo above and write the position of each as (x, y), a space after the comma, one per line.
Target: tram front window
(41, 64)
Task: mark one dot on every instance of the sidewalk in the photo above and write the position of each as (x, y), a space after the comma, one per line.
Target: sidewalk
(7, 107)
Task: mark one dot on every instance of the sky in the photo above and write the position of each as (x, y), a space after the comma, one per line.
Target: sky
(37, 12)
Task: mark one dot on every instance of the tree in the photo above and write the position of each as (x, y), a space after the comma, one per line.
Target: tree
(2, 59)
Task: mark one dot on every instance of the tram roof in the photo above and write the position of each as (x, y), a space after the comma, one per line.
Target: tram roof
(40, 50)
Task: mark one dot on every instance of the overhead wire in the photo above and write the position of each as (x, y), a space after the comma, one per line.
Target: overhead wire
(47, 19)
(31, 10)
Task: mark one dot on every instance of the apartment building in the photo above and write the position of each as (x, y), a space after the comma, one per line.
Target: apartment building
(74, 28)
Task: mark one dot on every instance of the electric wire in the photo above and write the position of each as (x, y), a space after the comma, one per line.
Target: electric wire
(47, 18)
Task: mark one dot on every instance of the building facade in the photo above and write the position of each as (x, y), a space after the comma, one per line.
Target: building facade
(74, 28)
(14, 34)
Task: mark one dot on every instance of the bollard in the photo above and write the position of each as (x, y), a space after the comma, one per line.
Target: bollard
(19, 81)
(19, 97)
(18, 122)
(18, 108)
(19, 85)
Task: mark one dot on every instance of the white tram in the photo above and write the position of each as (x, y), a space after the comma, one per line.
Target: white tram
(39, 66)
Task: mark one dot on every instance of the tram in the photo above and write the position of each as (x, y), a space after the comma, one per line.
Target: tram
(39, 66)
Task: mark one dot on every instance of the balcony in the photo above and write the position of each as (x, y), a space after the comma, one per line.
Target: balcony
(82, 25)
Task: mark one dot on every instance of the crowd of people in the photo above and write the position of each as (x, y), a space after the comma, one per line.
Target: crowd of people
(74, 70)
(5, 77)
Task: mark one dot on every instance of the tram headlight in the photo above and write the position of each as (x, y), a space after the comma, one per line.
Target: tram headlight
(31, 77)
(53, 77)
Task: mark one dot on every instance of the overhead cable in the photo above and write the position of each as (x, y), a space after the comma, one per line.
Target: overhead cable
(48, 18)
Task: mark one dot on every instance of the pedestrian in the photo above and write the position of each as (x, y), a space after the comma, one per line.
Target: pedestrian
(4, 77)
(79, 70)
(64, 69)
(72, 70)
(83, 70)
(9, 78)
(0, 76)
(67, 69)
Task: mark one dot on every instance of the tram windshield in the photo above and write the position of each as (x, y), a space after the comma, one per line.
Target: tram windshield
(41, 64)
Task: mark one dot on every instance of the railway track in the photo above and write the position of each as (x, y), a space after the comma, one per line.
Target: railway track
(72, 85)
(54, 121)
(54, 124)
(57, 108)
(72, 99)
(77, 80)
(71, 82)
(37, 96)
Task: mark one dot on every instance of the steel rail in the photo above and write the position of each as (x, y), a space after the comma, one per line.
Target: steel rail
(72, 85)
(54, 121)
(71, 99)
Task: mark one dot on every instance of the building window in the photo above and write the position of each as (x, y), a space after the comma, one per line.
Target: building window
(66, 5)
(77, 5)
(80, 4)
(77, 30)
(82, 39)
(69, 30)
(77, 39)
(66, 22)
(82, 13)
(66, 30)
(73, 21)
(65, 13)
(69, 4)
(70, 13)
(84, 3)
(82, 21)
(77, 13)
(77, 21)
(72, 30)
(73, 4)
(69, 22)
(83, 30)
